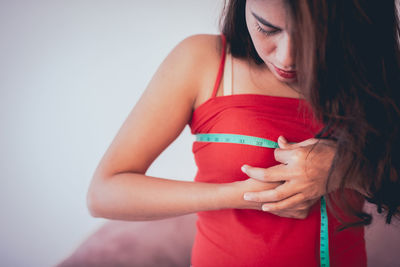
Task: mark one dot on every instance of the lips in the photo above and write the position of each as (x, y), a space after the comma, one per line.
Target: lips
(286, 74)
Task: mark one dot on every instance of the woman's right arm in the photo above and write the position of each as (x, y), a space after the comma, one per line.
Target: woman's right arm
(120, 189)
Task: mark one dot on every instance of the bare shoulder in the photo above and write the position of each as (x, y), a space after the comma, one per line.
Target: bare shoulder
(201, 44)
(200, 55)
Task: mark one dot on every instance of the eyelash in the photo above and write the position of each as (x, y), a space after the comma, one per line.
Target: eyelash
(267, 33)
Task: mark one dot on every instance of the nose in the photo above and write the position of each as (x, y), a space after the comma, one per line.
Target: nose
(285, 53)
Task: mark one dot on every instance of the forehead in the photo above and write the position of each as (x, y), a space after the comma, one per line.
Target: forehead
(275, 11)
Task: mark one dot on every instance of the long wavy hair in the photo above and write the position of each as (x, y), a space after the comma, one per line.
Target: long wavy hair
(348, 59)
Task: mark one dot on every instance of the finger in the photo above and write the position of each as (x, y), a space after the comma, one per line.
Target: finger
(293, 154)
(292, 214)
(272, 174)
(288, 203)
(307, 142)
(280, 193)
(283, 143)
(297, 212)
(283, 155)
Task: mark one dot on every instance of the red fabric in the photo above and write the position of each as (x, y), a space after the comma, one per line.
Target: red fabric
(254, 238)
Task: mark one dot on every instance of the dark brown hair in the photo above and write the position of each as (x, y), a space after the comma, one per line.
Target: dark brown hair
(348, 59)
(235, 30)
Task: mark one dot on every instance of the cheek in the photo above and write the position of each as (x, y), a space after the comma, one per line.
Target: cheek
(264, 46)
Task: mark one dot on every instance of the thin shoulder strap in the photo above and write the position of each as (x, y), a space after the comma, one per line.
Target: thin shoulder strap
(228, 75)
(221, 66)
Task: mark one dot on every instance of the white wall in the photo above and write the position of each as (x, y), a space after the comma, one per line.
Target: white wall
(70, 72)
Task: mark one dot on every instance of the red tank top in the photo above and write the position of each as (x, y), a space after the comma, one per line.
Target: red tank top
(235, 237)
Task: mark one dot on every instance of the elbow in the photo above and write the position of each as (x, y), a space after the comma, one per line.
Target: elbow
(93, 198)
(92, 203)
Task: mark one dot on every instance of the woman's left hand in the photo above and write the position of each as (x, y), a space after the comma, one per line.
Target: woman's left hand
(303, 170)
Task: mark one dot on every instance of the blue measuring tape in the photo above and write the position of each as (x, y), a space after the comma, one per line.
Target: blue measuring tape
(262, 142)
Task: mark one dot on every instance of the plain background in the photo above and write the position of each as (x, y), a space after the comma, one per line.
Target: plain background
(70, 72)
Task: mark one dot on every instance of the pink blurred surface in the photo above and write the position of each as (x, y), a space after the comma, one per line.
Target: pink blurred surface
(121, 243)
(168, 243)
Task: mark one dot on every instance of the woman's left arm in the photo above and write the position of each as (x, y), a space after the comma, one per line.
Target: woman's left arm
(303, 172)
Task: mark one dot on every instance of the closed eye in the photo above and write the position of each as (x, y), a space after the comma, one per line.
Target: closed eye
(266, 32)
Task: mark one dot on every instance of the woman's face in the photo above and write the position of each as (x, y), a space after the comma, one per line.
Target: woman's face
(268, 25)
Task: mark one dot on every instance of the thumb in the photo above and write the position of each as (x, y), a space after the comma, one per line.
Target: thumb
(283, 143)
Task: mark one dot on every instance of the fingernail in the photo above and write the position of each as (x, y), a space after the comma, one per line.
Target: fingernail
(247, 196)
(265, 208)
(282, 139)
(244, 168)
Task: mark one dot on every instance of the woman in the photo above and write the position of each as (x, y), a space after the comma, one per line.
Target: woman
(268, 79)
(353, 80)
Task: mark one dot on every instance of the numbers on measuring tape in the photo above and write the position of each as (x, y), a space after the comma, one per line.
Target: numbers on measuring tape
(261, 142)
(237, 139)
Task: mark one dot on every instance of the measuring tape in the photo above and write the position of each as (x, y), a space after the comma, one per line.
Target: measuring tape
(262, 142)
(323, 236)
(236, 139)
